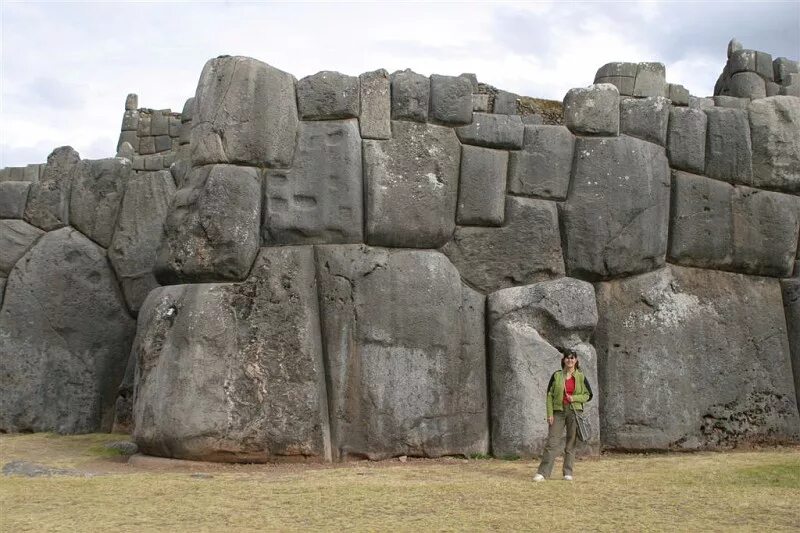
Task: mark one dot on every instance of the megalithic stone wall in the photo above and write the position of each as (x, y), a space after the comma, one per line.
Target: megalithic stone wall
(394, 264)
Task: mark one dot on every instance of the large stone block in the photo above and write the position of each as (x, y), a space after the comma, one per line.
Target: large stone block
(328, 96)
(592, 110)
(693, 359)
(747, 85)
(782, 67)
(615, 218)
(543, 166)
(48, 200)
(411, 96)
(616, 68)
(245, 112)
(405, 378)
(678, 94)
(212, 228)
(493, 131)
(505, 103)
(650, 80)
(529, 329)
(451, 100)
(66, 338)
(320, 199)
(482, 186)
(375, 119)
(412, 186)
(791, 306)
(137, 236)
(775, 135)
(728, 146)
(234, 372)
(526, 249)
(16, 237)
(13, 197)
(686, 139)
(96, 195)
(645, 118)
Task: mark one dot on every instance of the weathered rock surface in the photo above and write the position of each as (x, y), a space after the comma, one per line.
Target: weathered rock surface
(747, 85)
(13, 196)
(615, 219)
(212, 228)
(48, 199)
(234, 372)
(96, 195)
(542, 168)
(693, 359)
(529, 328)
(411, 96)
(16, 236)
(137, 236)
(375, 119)
(328, 96)
(320, 199)
(645, 118)
(405, 379)
(650, 80)
(791, 306)
(451, 100)
(245, 112)
(66, 338)
(482, 186)
(493, 131)
(412, 186)
(593, 110)
(728, 146)
(526, 249)
(686, 139)
(775, 134)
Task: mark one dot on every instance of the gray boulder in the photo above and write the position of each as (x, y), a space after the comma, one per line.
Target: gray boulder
(411, 96)
(645, 118)
(693, 359)
(493, 131)
(686, 139)
(328, 95)
(66, 338)
(320, 199)
(48, 199)
(13, 197)
(138, 232)
(593, 110)
(615, 218)
(234, 372)
(375, 119)
(96, 195)
(529, 328)
(405, 379)
(245, 112)
(775, 135)
(747, 85)
(526, 249)
(482, 186)
(650, 80)
(728, 146)
(16, 237)
(212, 229)
(451, 100)
(412, 186)
(543, 167)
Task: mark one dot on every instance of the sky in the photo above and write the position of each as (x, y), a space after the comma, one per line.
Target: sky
(66, 67)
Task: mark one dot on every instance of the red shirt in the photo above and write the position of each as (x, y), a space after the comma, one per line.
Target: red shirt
(569, 388)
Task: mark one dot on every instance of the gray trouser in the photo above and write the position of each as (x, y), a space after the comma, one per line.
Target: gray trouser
(561, 420)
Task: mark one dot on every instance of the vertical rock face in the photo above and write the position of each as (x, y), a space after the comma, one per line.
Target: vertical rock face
(245, 112)
(775, 132)
(97, 190)
(412, 186)
(615, 218)
(693, 359)
(66, 338)
(138, 234)
(405, 378)
(212, 229)
(48, 199)
(320, 200)
(791, 306)
(529, 328)
(234, 372)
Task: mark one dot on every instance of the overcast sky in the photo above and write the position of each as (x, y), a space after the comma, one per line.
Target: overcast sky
(66, 67)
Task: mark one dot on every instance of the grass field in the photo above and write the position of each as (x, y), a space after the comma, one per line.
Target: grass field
(733, 491)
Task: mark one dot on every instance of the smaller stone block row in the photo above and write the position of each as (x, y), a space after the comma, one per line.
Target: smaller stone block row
(752, 74)
(150, 131)
(154, 161)
(636, 79)
(29, 173)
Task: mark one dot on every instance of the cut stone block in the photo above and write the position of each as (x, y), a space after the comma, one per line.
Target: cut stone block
(593, 110)
(731, 102)
(616, 69)
(97, 190)
(700, 103)
(328, 96)
(411, 95)
(773, 89)
(48, 200)
(147, 145)
(645, 118)
(405, 379)
(376, 105)
(245, 112)
(159, 123)
(733, 46)
(130, 138)
(728, 146)
(154, 162)
(742, 61)
(623, 84)
(411, 185)
(131, 102)
(775, 135)
(650, 80)
(686, 139)
(505, 103)
(791, 306)
(320, 199)
(764, 66)
(493, 131)
(782, 67)
(130, 121)
(747, 85)
(615, 218)
(162, 143)
(678, 94)
(543, 166)
(482, 186)
(451, 100)
(526, 249)
(480, 103)
(13, 196)
(145, 119)
(16, 237)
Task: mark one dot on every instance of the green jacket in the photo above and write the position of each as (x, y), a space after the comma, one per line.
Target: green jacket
(555, 392)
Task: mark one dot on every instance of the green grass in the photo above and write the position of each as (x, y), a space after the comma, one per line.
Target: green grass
(733, 491)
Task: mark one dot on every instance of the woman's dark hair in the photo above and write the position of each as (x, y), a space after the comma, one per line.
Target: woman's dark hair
(565, 353)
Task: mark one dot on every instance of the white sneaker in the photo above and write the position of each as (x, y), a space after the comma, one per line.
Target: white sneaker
(538, 477)
(567, 478)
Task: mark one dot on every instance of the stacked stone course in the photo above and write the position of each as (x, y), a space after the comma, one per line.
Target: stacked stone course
(392, 264)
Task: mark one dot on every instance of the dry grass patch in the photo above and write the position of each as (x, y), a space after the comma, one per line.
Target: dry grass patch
(756, 490)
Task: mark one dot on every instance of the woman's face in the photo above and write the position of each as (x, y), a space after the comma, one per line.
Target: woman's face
(569, 361)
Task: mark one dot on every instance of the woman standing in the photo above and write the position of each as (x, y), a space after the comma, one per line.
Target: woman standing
(567, 391)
